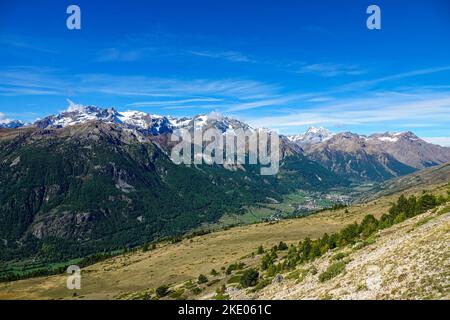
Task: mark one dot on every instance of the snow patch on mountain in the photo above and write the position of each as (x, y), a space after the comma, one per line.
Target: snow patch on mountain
(312, 136)
(394, 136)
(10, 124)
(146, 123)
(140, 121)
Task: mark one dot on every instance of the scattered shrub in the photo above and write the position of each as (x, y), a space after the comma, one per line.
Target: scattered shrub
(282, 246)
(262, 283)
(162, 291)
(234, 279)
(260, 250)
(202, 279)
(249, 278)
(196, 290)
(332, 271)
(176, 294)
(214, 273)
(221, 296)
(235, 266)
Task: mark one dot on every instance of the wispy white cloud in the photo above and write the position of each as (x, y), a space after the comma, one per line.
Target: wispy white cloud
(275, 101)
(22, 80)
(22, 43)
(3, 118)
(342, 106)
(14, 91)
(123, 55)
(432, 109)
(228, 55)
(332, 69)
(320, 99)
(393, 77)
(167, 87)
(171, 102)
(443, 141)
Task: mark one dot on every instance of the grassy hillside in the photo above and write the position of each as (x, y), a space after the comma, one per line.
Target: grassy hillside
(138, 273)
(409, 260)
(416, 181)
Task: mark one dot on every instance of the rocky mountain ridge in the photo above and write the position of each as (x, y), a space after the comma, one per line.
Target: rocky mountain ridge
(373, 158)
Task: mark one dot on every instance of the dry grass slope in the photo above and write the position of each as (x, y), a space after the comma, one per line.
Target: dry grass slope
(410, 260)
(136, 272)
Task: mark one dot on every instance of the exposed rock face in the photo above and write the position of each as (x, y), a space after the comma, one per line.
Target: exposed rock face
(409, 149)
(352, 156)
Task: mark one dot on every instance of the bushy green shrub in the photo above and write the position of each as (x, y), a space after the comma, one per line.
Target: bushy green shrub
(214, 273)
(282, 246)
(196, 290)
(162, 291)
(202, 279)
(249, 278)
(332, 271)
(262, 283)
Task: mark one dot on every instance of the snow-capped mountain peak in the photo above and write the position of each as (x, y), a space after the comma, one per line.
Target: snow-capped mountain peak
(136, 120)
(317, 131)
(213, 120)
(11, 124)
(140, 121)
(76, 114)
(147, 123)
(393, 137)
(312, 136)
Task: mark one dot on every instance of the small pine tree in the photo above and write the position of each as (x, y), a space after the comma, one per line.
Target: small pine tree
(305, 248)
(349, 234)
(202, 279)
(369, 225)
(315, 250)
(249, 278)
(260, 250)
(282, 246)
(427, 201)
(214, 273)
(271, 271)
(222, 289)
(400, 218)
(162, 291)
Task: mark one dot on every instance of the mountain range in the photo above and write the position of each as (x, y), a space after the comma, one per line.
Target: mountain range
(91, 179)
(360, 158)
(373, 158)
(11, 124)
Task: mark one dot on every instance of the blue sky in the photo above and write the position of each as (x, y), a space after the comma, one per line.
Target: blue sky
(285, 65)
